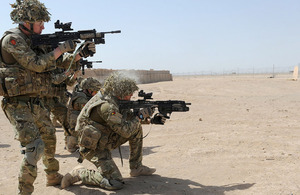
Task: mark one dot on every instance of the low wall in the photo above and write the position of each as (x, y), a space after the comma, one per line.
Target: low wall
(141, 76)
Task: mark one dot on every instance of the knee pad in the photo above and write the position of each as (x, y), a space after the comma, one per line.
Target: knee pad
(34, 151)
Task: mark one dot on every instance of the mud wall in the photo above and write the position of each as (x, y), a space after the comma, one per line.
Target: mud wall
(141, 76)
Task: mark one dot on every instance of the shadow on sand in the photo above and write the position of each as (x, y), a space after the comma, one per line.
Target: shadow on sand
(125, 151)
(162, 185)
(4, 145)
(156, 184)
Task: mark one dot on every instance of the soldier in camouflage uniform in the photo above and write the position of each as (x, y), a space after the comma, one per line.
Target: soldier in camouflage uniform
(81, 95)
(102, 127)
(25, 77)
(57, 100)
(57, 97)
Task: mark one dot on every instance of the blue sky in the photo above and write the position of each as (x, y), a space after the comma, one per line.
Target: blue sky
(185, 35)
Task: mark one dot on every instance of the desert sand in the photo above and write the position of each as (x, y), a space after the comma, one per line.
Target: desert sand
(241, 136)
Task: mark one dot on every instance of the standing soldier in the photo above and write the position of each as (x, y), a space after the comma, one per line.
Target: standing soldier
(81, 95)
(24, 76)
(102, 127)
(60, 95)
(57, 97)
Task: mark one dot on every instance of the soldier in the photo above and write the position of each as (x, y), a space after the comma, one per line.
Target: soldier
(81, 95)
(25, 76)
(102, 127)
(59, 93)
(58, 96)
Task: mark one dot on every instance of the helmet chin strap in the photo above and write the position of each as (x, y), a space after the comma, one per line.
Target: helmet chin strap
(26, 29)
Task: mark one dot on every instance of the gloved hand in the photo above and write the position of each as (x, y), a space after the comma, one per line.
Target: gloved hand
(158, 119)
(146, 113)
(88, 49)
(68, 46)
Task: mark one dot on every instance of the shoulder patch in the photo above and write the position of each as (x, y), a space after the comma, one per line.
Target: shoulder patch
(13, 42)
(115, 118)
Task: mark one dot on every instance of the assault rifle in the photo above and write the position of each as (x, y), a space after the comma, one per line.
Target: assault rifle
(54, 39)
(165, 107)
(86, 63)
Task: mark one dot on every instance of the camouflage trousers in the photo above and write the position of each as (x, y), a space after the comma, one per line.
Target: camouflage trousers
(102, 159)
(31, 121)
(59, 111)
(90, 177)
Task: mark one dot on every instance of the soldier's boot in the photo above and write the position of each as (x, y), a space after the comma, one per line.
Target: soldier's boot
(142, 171)
(111, 184)
(54, 179)
(71, 177)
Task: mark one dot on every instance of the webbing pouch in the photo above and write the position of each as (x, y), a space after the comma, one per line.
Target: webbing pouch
(89, 137)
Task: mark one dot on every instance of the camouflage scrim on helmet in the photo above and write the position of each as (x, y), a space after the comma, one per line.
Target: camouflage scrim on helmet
(29, 11)
(91, 84)
(119, 85)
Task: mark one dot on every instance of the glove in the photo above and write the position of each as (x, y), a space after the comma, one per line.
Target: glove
(68, 46)
(158, 119)
(146, 113)
(88, 49)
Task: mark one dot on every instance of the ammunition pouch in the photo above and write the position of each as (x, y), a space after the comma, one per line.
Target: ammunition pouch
(7, 80)
(89, 137)
(15, 81)
(25, 99)
(55, 91)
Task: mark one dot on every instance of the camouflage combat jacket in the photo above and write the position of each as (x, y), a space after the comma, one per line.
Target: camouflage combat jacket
(22, 74)
(100, 123)
(26, 68)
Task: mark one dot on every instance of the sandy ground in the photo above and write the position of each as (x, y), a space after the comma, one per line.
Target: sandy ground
(241, 136)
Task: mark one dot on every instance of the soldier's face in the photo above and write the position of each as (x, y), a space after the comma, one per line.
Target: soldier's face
(92, 92)
(128, 97)
(38, 27)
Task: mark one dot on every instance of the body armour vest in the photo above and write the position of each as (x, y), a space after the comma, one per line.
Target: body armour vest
(84, 116)
(91, 133)
(72, 113)
(15, 80)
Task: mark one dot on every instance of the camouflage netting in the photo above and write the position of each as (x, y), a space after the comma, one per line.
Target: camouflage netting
(29, 11)
(119, 85)
(91, 84)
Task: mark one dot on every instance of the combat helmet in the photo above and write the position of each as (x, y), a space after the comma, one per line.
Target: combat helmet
(91, 84)
(29, 11)
(119, 85)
